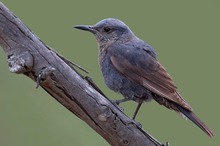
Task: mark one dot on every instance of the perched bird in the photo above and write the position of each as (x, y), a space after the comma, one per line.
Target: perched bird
(130, 67)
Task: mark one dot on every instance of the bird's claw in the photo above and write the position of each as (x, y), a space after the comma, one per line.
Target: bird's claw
(116, 103)
(136, 123)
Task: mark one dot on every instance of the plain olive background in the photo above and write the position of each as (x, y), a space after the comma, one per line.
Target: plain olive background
(185, 35)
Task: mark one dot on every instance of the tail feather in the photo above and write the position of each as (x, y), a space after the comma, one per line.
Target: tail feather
(186, 112)
(190, 115)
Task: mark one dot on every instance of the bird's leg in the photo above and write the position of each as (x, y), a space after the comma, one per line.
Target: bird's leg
(117, 102)
(136, 110)
(135, 114)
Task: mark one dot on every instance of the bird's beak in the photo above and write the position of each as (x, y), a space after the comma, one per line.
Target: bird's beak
(85, 28)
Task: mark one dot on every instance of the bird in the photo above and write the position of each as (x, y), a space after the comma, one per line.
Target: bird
(130, 67)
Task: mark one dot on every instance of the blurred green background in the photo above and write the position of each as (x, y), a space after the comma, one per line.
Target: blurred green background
(185, 35)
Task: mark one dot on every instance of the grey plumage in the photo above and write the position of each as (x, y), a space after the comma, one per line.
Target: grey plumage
(130, 67)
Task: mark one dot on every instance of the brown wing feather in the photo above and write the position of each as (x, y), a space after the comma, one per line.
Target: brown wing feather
(156, 80)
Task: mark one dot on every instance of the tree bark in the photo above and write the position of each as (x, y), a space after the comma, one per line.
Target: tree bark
(28, 55)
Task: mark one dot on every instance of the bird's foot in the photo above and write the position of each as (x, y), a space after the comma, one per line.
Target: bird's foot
(136, 123)
(116, 103)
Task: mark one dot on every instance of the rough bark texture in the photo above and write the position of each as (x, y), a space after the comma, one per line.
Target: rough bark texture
(28, 55)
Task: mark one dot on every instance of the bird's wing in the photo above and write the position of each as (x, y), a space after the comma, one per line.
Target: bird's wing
(140, 66)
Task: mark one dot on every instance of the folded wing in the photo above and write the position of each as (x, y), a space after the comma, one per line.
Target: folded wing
(140, 66)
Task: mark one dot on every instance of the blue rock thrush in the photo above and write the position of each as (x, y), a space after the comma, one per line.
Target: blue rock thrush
(130, 67)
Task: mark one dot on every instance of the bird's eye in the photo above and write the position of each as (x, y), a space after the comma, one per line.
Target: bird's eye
(107, 29)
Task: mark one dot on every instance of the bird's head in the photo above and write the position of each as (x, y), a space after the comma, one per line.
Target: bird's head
(108, 31)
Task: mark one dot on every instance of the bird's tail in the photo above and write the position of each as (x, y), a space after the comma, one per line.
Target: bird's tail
(190, 115)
